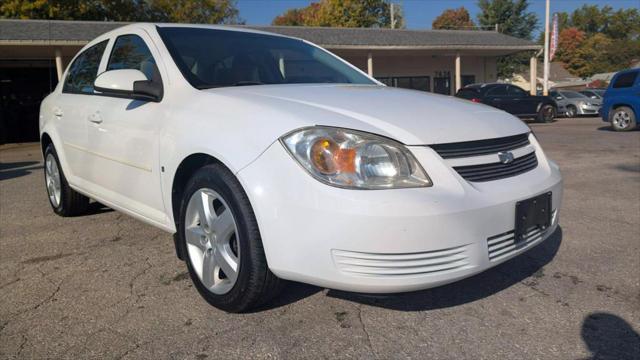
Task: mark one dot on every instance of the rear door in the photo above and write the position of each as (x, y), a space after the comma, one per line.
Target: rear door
(123, 134)
(71, 110)
(496, 96)
(521, 102)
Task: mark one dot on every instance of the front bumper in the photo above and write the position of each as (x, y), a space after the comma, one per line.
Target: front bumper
(588, 110)
(384, 241)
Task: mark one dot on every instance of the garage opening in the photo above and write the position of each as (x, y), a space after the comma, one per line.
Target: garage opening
(23, 85)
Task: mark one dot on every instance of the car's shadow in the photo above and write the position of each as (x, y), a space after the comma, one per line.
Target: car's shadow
(465, 291)
(18, 169)
(610, 129)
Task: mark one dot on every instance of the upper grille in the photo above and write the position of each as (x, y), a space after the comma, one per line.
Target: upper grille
(407, 264)
(495, 171)
(481, 147)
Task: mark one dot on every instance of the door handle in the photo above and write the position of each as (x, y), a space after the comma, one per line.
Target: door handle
(57, 112)
(95, 118)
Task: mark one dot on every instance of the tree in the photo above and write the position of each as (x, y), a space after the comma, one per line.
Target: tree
(591, 56)
(205, 11)
(569, 40)
(339, 13)
(453, 19)
(513, 19)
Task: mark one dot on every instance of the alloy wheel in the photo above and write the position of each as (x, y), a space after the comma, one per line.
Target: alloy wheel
(621, 119)
(212, 241)
(52, 180)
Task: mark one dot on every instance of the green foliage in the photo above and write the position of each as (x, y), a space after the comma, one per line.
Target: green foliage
(196, 11)
(453, 19)
(513, 18)
(597, 39)
(340, 13)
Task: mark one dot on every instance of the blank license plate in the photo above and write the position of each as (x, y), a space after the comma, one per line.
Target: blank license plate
(531, 213)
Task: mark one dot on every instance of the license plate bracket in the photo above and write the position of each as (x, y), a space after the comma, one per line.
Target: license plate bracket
(532, 212)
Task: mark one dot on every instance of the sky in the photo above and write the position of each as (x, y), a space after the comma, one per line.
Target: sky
(419, 14)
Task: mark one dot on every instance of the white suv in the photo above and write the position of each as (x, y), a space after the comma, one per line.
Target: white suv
(270, 158)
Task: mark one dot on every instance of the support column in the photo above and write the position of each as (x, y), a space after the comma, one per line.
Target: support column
(59, 68)
(457, 74)
(533, 77)
(370, 64)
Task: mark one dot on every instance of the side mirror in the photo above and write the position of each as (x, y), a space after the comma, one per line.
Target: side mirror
(559, 97)
(128, 83)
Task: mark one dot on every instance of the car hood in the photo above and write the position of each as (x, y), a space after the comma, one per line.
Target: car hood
(411, 117)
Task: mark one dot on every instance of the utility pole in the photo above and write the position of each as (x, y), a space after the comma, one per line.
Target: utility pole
(545, 83)
(393, 21)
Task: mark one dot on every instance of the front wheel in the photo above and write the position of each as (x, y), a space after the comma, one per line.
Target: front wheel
(219, 235)
(623, 119)
(571, 111)
(546, 114)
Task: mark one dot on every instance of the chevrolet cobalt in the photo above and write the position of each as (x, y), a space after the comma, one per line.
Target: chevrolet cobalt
(271, 159)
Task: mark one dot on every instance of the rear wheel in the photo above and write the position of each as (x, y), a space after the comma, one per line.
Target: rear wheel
(219, 236)
(546, 114)
(63, 199)
(623, 119)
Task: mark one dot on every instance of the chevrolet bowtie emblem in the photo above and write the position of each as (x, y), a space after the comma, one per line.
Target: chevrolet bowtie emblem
(505, 157)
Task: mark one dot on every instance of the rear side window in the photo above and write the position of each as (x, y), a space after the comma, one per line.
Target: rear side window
(516, 91)
(131, 52)
(498, 91)
(84, 69)
(625, 80)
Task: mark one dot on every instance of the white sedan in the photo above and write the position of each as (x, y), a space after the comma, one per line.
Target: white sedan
(269, 158)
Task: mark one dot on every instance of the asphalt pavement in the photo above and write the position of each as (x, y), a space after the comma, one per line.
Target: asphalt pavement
(105, 285)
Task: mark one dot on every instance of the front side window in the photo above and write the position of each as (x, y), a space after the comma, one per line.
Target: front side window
(84, 69)
(131, 52)
(625, 80)
(210, 58)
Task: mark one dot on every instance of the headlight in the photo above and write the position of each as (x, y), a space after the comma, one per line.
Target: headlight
(355, 159)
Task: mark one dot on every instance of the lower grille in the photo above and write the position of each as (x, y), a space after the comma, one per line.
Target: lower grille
(503, 245)
(495, 171)
(407, 264)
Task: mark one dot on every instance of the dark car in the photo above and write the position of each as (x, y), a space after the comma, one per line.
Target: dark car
(621, 106)
(511, 99)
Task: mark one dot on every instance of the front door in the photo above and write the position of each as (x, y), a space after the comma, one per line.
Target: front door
(123, 134)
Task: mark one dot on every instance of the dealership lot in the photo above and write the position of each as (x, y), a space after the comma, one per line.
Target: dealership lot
(106, 285)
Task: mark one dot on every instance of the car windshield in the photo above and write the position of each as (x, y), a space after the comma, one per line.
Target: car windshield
(572, 95)
(210, 58)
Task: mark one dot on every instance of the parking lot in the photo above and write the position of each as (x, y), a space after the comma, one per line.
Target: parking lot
(107, 286)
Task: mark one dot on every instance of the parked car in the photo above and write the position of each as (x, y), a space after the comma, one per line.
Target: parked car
(269, 158)
(573, 103)
(511, 99)
(593, 93)
(621, 106)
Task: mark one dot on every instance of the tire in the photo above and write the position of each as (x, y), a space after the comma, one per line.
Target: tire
(546, 114)
(623, 119)
(63, 199)
(571, 111)
(218, 244)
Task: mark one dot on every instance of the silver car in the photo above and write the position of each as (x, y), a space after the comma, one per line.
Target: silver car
(572, 103)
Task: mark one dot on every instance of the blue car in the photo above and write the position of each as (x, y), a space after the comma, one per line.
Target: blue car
(621, 105)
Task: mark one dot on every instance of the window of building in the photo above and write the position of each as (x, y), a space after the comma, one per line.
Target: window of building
(442, 83)
(84, 69)
(468, 80)
(422, 83)
(131, 52)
